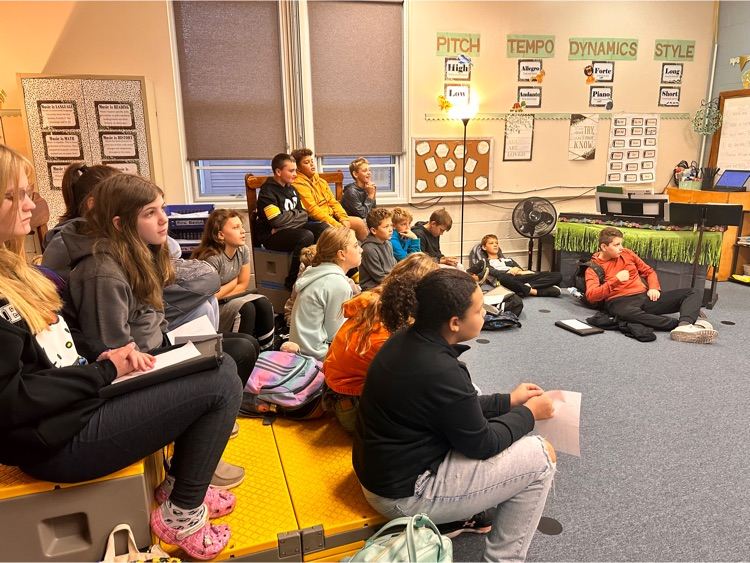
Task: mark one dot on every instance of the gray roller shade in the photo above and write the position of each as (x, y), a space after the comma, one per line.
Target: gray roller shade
(230, 73)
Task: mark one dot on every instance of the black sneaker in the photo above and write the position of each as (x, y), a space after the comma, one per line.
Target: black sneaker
(552, 291)
(478, 524)
(480, 270)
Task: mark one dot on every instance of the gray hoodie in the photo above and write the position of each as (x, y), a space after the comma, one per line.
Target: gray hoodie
(377, 261)
(99, 297)
(317, 311)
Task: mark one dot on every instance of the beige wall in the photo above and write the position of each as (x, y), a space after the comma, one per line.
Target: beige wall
(494, 79)
(96, 38)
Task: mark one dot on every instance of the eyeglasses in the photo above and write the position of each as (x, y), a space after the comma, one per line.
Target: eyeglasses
(23, 193)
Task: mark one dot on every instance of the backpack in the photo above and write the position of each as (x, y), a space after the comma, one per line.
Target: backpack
(578, 280)
(504, 319)
(284, 384)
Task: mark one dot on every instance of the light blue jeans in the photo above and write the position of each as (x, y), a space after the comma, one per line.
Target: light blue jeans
(516, 481)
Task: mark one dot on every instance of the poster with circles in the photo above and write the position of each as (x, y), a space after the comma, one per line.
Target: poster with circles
(439, 166)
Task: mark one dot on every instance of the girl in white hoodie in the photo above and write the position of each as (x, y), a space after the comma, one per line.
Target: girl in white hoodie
(322, 291)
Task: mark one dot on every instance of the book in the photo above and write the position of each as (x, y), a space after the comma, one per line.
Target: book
(578, 327)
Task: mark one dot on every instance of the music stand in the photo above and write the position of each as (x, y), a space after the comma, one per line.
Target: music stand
(703, 215)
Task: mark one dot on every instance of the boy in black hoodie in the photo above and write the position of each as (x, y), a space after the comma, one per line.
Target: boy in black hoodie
(429, 235)
(281, 223)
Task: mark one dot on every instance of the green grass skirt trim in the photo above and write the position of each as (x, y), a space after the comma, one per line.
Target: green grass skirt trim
(668, 246)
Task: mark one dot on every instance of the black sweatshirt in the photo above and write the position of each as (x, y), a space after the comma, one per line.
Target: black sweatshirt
(279, 208)
(417, 404)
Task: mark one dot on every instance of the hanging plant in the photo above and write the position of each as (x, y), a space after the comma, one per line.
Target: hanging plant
(708, 118)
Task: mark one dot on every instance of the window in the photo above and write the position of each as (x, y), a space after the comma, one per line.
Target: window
(383, 171)
(226, 178)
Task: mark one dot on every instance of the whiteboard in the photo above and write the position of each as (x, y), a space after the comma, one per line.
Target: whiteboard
(730, 147)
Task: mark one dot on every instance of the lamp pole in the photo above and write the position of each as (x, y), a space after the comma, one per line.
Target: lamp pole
(465, 121)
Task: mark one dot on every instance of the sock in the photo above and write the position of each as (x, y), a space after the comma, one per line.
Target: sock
(168, 484)
(181, 518)
(684, 323)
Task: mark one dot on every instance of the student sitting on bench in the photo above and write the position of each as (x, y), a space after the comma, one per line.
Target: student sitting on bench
(317, 197)
(506, 272)
(358, 198)
(56, 428)
(628, 298)
(281, 222)
(424, 441)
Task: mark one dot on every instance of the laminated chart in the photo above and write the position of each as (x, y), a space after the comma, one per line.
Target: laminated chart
(439, 166)
(631, 155)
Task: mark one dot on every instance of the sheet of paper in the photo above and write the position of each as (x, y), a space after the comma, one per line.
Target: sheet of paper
(563, 429)
(196, 327)
(186, 352)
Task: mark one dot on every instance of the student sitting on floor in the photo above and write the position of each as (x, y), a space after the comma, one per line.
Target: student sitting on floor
(403, 240)
(424, 441)
(281, 223)
(223, 246)
(429, 234)
(322, 290)
(626, 296)
(56, 428)
(120, 268)
(358, 198)
(371, 318)
(377, 252)
(317, 197)
(506, 272)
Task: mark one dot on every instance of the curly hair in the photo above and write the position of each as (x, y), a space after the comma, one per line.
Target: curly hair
(391, 304)
(377, 216)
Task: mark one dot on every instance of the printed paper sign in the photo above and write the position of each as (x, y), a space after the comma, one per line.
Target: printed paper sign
(529, 69)
(603, 71)
(613, 49)
(62, 146)
(532, 95)
(599, 96)
(519, 137)
(632, 152)
(674, 50)
(584, 129)
(56, 171)
(669, 96)
(118, 145)
(456, 70)
(114, 115)
(457, 94)
(58, 115)
(125, 167)
(671, 73)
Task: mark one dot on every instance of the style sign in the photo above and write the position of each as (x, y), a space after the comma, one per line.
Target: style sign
(457, 94)
(671, 73)
(532, 95)
(604, 71)
(456, 70)
(599, 96)
(669, 96)
(529, 69)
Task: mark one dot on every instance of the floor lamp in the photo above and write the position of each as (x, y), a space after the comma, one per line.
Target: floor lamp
(465, 113)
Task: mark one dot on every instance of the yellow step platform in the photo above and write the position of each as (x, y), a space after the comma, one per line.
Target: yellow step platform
(300, 500)
(71, 522)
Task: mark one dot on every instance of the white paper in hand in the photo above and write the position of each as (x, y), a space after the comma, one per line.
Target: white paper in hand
(563, 429)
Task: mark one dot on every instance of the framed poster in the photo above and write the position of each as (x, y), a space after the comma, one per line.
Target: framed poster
(438, 166)
(600, 96)
(669, 96)
(519, 138)
(671, 73)
(58, 114)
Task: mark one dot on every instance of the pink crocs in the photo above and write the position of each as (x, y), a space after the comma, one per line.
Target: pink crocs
(218, 501)
(202, 541)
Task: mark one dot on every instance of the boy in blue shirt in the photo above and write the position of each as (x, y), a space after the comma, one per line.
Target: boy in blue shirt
(403, 240)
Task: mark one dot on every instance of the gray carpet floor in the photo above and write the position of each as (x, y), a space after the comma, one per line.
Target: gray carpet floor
(663, 472)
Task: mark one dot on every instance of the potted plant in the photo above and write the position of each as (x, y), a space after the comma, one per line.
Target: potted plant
(2, 97)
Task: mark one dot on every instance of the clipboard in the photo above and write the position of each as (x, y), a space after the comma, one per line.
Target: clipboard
(578, 327)
(211, 355)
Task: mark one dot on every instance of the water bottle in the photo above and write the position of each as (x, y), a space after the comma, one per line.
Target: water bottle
(575, 292)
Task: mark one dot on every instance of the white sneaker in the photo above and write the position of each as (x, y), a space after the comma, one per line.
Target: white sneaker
(704, 323)
(694, 333)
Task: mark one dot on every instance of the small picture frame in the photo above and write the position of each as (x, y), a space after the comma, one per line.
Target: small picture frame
(529, 69)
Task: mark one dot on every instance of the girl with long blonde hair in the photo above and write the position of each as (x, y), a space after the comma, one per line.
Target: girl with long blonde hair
(55, 427)
(371, 318)
(322, 290)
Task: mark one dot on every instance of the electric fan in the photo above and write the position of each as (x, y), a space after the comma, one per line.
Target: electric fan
(533, 218)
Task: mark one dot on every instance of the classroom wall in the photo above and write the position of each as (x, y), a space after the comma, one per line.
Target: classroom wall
(96, 38)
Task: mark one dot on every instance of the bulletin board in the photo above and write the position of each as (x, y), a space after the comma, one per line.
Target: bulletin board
(730, 145)
(438, 166)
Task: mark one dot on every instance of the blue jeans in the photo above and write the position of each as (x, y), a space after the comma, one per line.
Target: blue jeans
(516, 481)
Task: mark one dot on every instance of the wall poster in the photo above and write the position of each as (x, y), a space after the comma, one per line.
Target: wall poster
(519, 137)
(584, 129)
(632, 148)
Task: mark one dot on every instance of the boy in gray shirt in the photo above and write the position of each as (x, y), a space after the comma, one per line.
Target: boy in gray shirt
(377, 252)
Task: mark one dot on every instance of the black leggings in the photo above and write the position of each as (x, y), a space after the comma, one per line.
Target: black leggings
(196, 412)
(538, 280)
(244, 350)
(256, 318)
